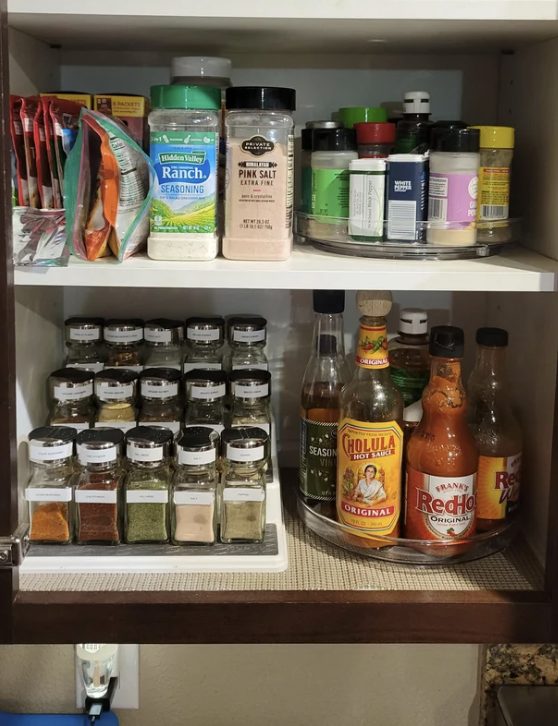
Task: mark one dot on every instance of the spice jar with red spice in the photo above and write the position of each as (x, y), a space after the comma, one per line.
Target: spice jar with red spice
(97, 495)
(49, 491)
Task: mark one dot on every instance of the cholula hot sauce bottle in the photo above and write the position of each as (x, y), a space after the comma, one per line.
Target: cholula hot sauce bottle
(442, 457)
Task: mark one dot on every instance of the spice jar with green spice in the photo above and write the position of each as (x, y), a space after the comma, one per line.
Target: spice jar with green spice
(147, 485)
(243, 515)
(115, 390)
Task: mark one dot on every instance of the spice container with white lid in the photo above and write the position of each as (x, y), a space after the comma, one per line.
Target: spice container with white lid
(116, 393)
(147, 485)
(97, 492)
(71, 398)
(50, 487)
(84, 340)
(161, 400)
(247, 336)
(205, 337)
(194, 488)
(163, 343)
(205, 396)
(250, 392)
(243, 489)
(124, 341)
(260, 173)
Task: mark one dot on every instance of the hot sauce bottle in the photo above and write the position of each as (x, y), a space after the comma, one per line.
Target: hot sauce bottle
(370, 439)
(496, 430)
(442, 456)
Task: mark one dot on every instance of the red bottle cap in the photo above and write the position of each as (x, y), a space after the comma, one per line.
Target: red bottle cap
(375, 133)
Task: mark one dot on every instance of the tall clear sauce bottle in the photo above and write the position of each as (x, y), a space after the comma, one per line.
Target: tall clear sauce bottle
(496, 430)
(326, 374)
(370, 439)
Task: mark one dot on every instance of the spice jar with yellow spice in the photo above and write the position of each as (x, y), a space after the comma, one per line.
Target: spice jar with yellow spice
(50, 487)
(124, 341)
(115, 390)
(71, 398)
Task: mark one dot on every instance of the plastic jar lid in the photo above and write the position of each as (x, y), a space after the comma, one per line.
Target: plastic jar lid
(203, 66)
(374, 133)
(492, 337)
(455, 140)
(335, 140)
(413, 321)
(359, 114)
(186, 97)
(496, 137)
(416, 102)
(263, 98)
(324, 124)
(198, 445)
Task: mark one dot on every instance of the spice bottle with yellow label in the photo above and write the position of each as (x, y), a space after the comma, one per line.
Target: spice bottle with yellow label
(370, 439)
(496, 430)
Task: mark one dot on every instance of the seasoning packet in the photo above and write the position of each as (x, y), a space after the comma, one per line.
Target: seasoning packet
(108, 190)
(39, 237)
(44, 177)
(82, 99)
(51, 154)
(28, 112)
(65, 125)
(18, 145)
(131, 110)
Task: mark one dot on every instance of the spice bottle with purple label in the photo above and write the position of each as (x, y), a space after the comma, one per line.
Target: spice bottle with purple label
(453, 187)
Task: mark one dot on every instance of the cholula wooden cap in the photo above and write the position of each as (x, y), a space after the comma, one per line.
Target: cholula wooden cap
(374, 303)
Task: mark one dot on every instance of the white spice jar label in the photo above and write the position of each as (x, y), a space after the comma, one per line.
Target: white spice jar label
(147, 496)
(234, 494)
(124, 336)
(47, 494)
(106, 390)
(39, 454)
(237, 454)
(96, 456)
(202, 335)
(96, 496)
(248, 336)
(201, 498)
(94, 367)
(85, 335)
(196, 458)
(167, 390)
(144, 453)
(208, 392)
(73, 393)
(122, 425)
(242, 391)
(157, 336)
(202, 367)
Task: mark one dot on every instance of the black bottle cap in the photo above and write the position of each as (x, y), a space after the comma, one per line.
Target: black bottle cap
(118, 375)
(307, 139)
(327, 345)
(262, 98)
(447, 341)
(335, 140)
(249, 374)
(455, 140)
(329, 302)
(450, 125)
(102, 435)
(492, 337)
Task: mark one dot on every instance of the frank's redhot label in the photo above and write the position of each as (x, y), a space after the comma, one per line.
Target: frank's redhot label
(498, 486)
(439, 507)
(369, 476)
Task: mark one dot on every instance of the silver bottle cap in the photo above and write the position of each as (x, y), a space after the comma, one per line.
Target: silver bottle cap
(85, 331)
(250, 384)
(148, 444)
(49, 444)
(162, 331)
(205, 330)
(123, 332)
(248, 445)
(247, 329)
(69, 385)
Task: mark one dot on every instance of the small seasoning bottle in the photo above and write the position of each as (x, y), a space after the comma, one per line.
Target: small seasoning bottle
(247, 335)
(414, 129)
(124, 341)
(161, 402)
(116, 390)
(97, 494)
(375, 140)
(367, 184)
(409, 360)
(205, 396)
(250, 392)
(260, 173)
(163, 343)
(307, 146)
(243, 516)
(194, 488)
(147, 485)
(84, 340)
(496, 155)
(50, 488)
(453, 187)
(71, 398)
(205, 337)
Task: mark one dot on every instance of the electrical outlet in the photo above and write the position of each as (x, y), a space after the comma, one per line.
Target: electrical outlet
(127, 693)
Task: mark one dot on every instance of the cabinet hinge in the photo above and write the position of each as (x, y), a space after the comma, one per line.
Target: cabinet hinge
(14, 548)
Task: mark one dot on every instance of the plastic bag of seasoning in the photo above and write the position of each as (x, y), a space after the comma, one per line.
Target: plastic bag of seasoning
(108, 190)
(18, 144)
(44, 177)
(51, 154)
(28, 112)
(65, 125)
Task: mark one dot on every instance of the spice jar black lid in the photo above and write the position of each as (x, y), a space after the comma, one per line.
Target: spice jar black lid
(162, 374)
(334, 140)
(103, 435)
(245, 444)
(205, 329)
(77, 320)
(248, 375)
(329, 302)
(255, 322)
(492, 337)
(455, 140)
(54, 435)
(447, 341)
(123, 330)
(262, 98)
(73, 375)
(199, 438)
(84, 330)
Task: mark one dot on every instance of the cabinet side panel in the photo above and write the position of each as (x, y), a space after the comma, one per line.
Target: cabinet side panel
(33, 65)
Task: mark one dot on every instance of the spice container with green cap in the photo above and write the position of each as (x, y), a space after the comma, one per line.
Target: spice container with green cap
(496, 154)
(184, 147)
(147, 484)
(361, 114)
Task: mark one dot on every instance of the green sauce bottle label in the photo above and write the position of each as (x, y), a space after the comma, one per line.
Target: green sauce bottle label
(410, 383)
(318, 459)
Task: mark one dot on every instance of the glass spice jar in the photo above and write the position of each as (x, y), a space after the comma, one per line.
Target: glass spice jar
(161, 402)
(194, 510)
(124, 341)
(250, 391)
(205, 399)
(147, 485)
(163, 343)
(51, 480)
(204, 343)
(84, 340)
(247, 338)
(243, 489)
(71, 398)
(97, 492)
(115, 390)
